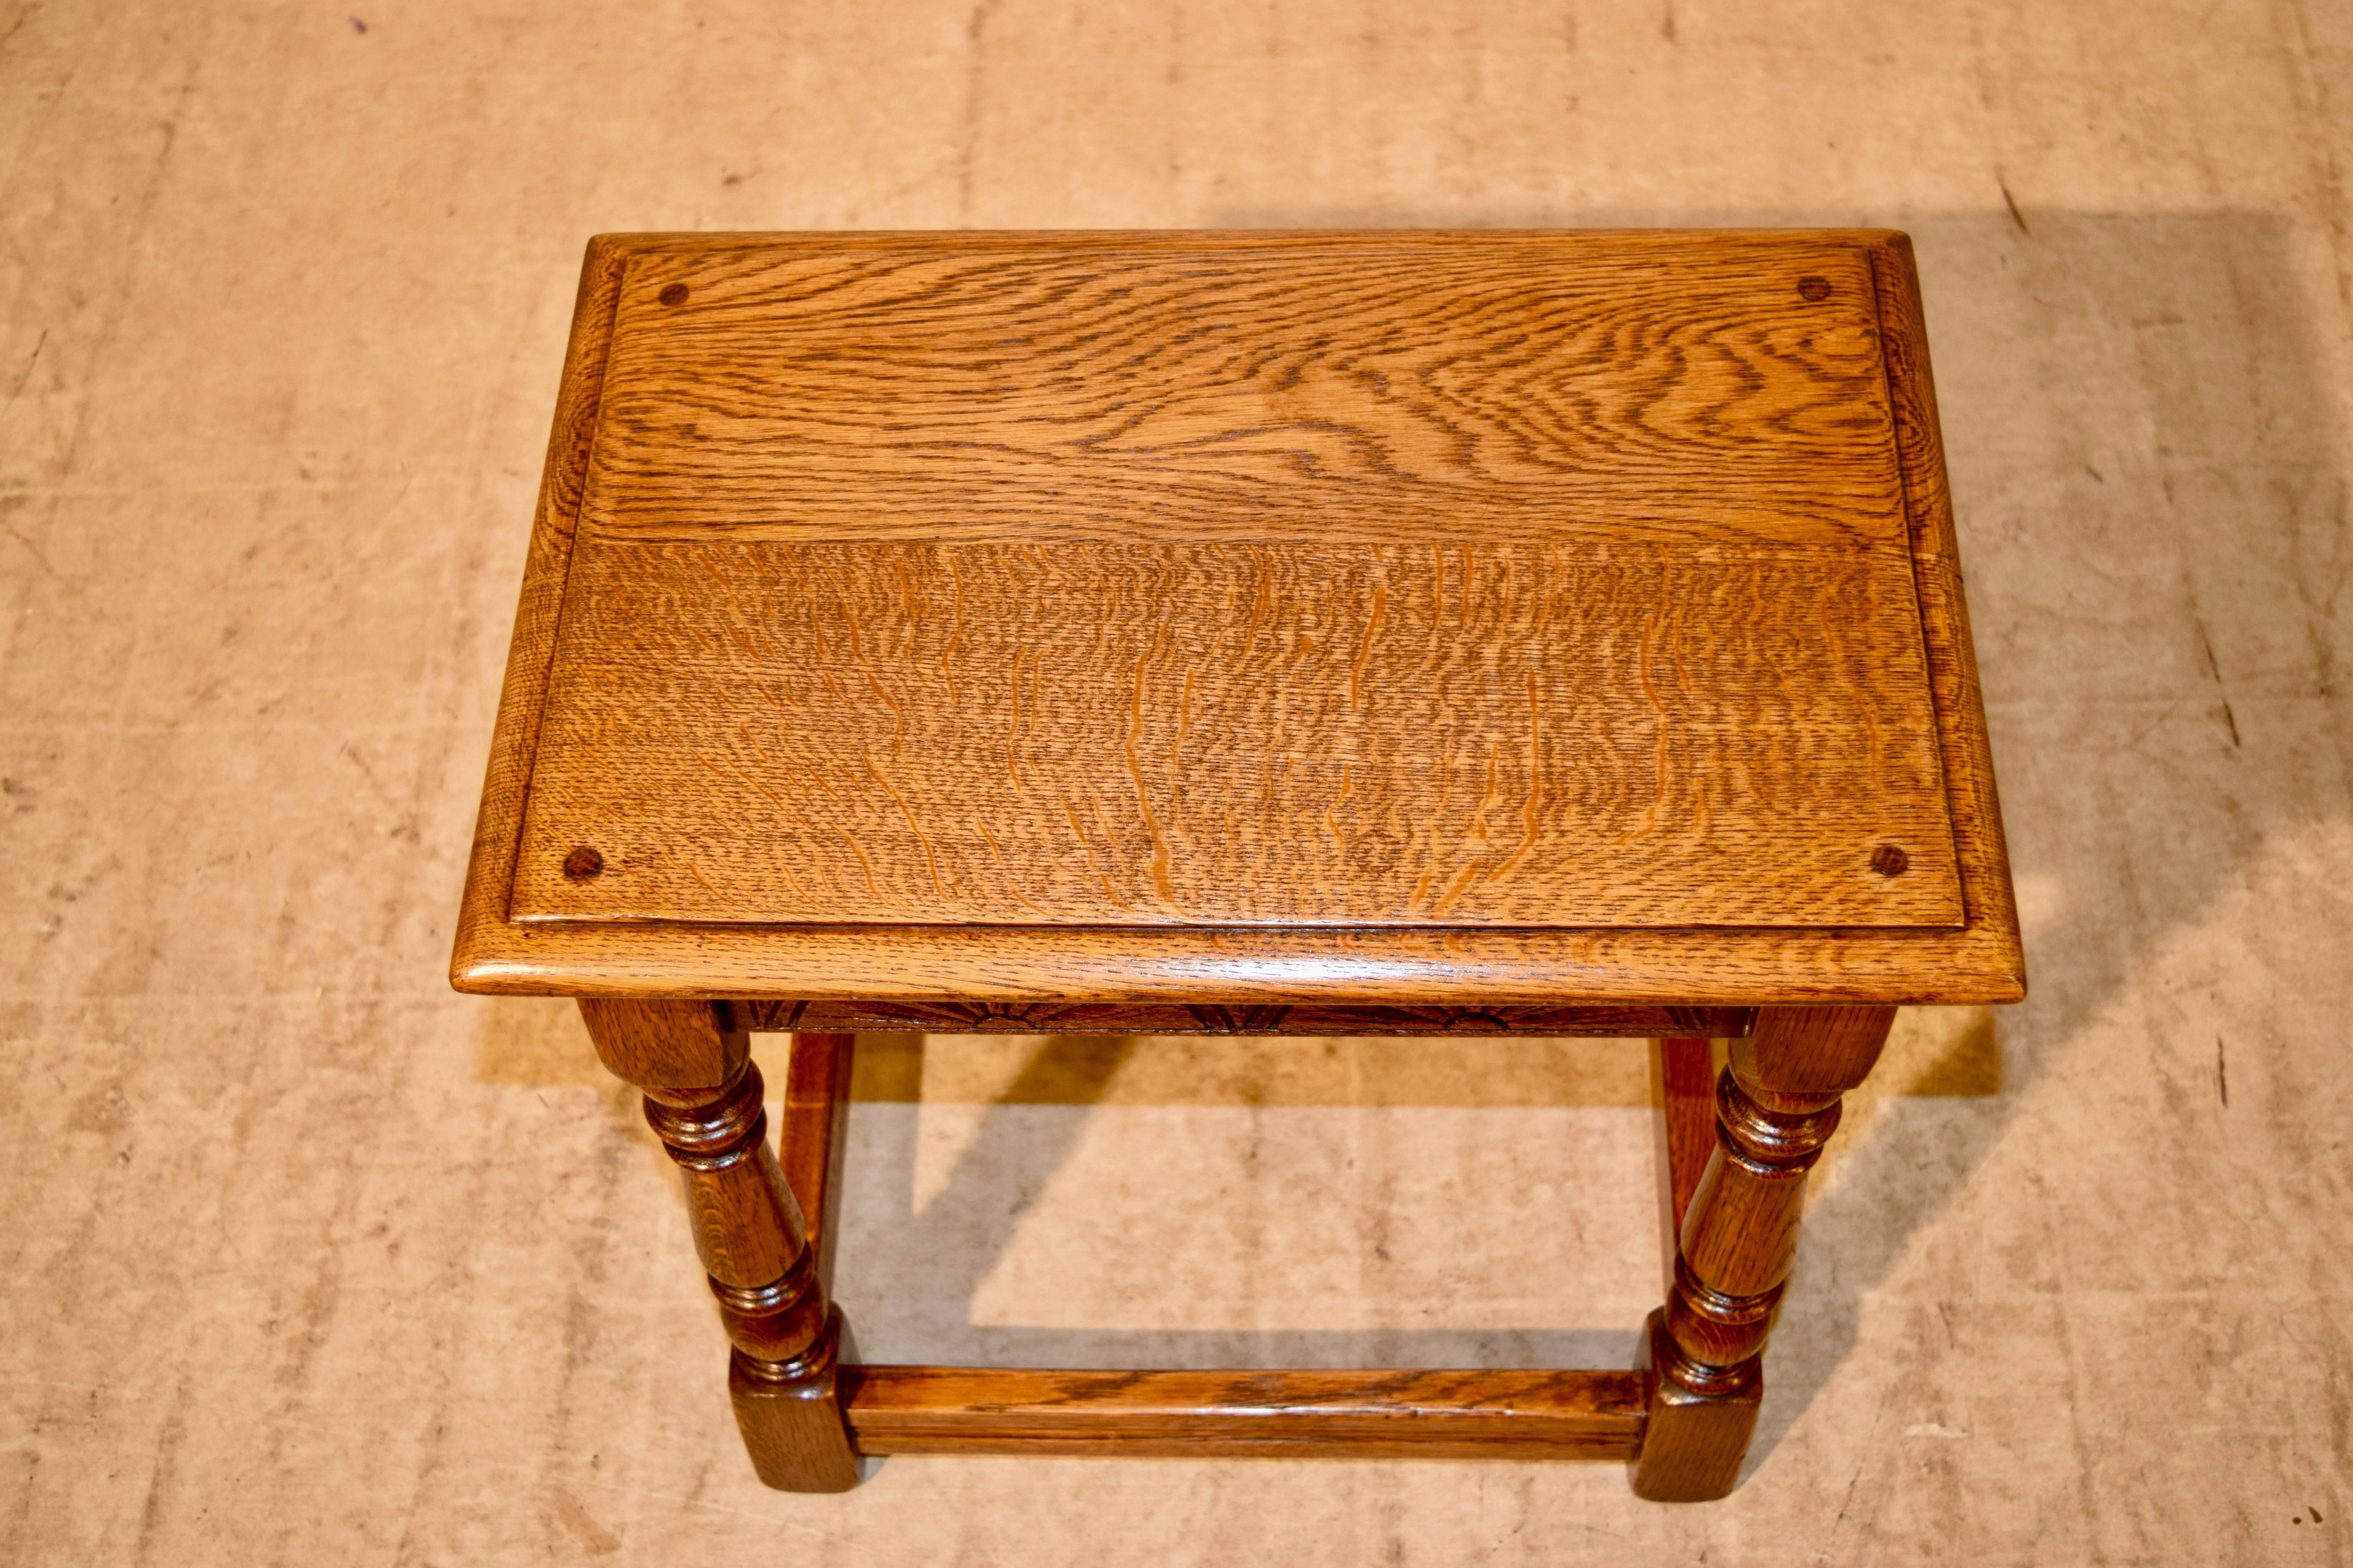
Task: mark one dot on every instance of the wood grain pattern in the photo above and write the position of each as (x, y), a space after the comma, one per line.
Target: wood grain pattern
(1202, 1018)
(1367, 389)
(1979, 962)
(1119, 734)
(1309, 1414)
(1792, 1058)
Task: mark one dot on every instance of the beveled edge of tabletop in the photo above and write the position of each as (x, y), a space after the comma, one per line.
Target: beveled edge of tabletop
(1981, 962)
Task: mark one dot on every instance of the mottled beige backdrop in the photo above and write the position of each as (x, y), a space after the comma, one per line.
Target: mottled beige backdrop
(304, 1259)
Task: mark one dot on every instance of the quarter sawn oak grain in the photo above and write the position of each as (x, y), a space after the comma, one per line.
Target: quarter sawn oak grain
(1423, 579)
(1082, 733)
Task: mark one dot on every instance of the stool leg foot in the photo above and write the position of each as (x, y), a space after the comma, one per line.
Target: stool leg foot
(1776, 1105)
(791, 1418)
(703, 1100)
(1697, 1436)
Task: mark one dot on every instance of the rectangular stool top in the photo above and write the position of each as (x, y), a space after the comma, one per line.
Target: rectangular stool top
(1479, 614)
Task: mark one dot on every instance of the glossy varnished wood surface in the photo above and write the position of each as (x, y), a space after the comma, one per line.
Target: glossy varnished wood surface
(1285, 1414)
(828, 954)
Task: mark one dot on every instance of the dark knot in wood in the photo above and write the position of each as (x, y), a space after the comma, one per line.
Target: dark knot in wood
(582, 863)
(1889, 860)
(674, 294)
(1815, 289)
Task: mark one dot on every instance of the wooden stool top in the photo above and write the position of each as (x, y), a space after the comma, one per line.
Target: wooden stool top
(1455, 617)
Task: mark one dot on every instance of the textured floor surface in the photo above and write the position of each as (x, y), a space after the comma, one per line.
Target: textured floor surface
(305, 1259)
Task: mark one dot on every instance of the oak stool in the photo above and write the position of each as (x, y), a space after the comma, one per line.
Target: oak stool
(1523, 634)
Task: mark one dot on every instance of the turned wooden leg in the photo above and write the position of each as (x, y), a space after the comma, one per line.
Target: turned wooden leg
(702, 1097)
(1775, 1107)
